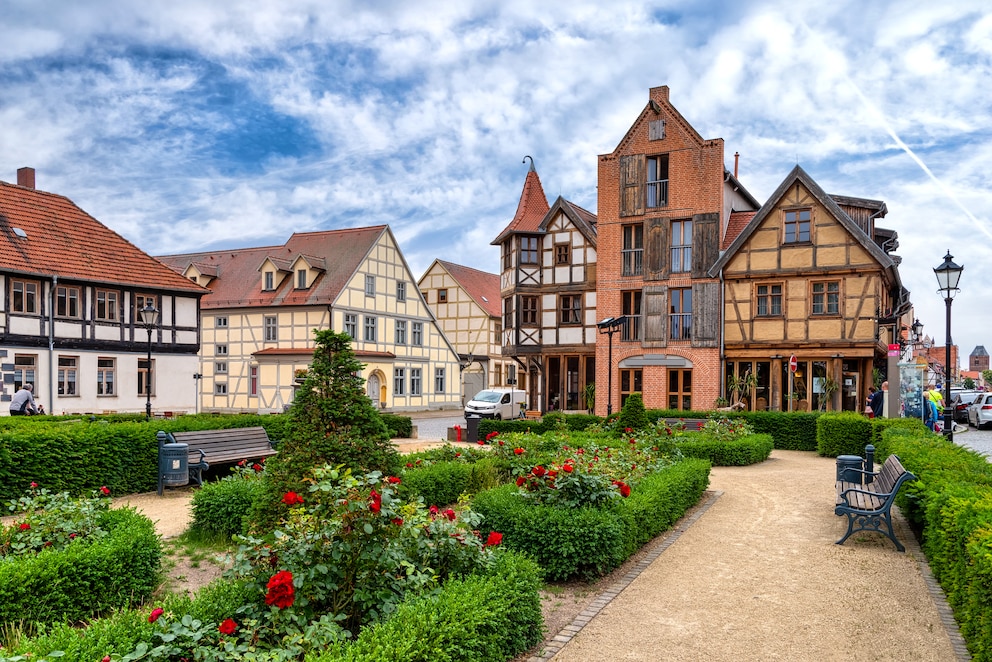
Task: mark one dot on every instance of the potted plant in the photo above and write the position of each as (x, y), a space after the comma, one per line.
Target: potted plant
(589, 393)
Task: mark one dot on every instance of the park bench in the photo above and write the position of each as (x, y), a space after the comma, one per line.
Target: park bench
(691, 424)
(208, 447)
(868, 505)
(532, 415)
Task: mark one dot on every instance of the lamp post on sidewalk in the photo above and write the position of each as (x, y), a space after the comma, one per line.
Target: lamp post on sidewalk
(609, 326)
(149, 319)
(948, 275)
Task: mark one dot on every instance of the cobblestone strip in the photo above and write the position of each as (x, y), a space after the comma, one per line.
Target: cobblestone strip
(937, 594)
(658, 546)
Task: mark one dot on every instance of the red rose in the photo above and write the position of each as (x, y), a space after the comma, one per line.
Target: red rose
(106, 658)
(375, 501)
(624, 490)
(33, 485)
(450, 514)
(520, 481)
(409, 465)
(481, 442)
(494, 539)
(280, 590)
(228, 627)
(518, 451)
(393, 480)
(628, 430)
(105, 490)
(567, 468)
(538, 471)
(25, 526)
(158, 611)
(256, 467)
(434, 510)
(291, 498)
(397, 521)
(501, 443)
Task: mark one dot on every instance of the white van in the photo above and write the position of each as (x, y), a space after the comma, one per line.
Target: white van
(498, 403)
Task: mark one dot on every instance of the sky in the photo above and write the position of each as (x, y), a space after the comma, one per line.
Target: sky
(198, 125)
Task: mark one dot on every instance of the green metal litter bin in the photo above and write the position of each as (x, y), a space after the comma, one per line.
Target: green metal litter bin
(173, 464)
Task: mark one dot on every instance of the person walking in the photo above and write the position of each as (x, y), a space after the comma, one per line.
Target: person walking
(877, 402)
(22, 404)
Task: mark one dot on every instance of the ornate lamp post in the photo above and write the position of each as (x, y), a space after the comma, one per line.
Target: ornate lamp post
(609, 326)
(948, 275)
(149, 320)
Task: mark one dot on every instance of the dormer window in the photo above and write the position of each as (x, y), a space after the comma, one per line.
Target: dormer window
(301, 279)
(269, 279)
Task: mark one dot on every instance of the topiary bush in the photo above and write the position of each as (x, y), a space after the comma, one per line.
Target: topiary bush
(735, 453)
(400, 427)
(440, 483)
(842, 433)
(220, 507)
(632, 415)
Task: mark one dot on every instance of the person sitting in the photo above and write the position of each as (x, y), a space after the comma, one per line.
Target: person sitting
(22, 404)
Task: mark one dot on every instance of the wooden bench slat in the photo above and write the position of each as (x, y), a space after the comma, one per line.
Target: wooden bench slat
(869, 505)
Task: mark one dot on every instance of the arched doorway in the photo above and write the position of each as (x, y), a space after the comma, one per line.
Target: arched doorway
(372, 388)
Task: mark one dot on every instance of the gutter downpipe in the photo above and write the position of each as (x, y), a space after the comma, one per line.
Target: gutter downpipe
(51, 345)
(723, 340)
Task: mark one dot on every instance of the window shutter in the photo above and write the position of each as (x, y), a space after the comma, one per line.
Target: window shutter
(705, 314)
(656, 242)
(655, 304)
(632, 185)
(656, 130)
(705, 243)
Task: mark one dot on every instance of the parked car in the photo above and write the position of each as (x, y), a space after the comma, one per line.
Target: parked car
(960, 402)
(980, 411)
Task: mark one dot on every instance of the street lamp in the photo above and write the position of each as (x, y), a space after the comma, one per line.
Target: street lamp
(948, 274)
(609, 326)
(149, 319)
(917, 330)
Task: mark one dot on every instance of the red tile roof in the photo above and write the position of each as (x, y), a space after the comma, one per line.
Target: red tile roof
(239, 283)
(531, 209)
(480, 285)
(738, 221)
(63, 240)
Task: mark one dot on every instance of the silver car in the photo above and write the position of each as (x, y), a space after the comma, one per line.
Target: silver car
(980, 412)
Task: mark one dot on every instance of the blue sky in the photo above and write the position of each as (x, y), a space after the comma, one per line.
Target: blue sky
(190, 125)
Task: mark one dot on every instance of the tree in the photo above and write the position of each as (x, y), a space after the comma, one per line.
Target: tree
(969, 383)
(987, 377)
(632, 415)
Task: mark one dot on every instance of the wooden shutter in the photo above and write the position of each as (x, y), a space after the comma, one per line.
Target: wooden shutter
(656, 130)
(705, 243)
(655, 306)
(705, 314)
(656, 242)
(632, 185)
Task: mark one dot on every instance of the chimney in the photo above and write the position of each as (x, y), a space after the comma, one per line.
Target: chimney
(737, 159)
(25, 177)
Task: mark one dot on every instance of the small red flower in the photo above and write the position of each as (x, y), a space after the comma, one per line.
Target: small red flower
(242, 463)
(434, 510)
(106, 658)
(450, 514)
(393, 480)
(409, 465)
(520, 481)
(628, 430)
(397, 521)
(518, 451)
(291, 498)
(105, 490)
(481, 442)
(33, 485)
(72, 535)
(494, 539)
(228, 627)
(375, 501)
(538, 471)
(158, 611)
(280, 590)
(25, 526)
(624, 490)
(501, 443)
(256, 467)
(567, 468)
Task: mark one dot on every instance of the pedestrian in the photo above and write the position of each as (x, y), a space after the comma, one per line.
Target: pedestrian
(22, 404)
(877, 402)
(929, 413)
(938, 399)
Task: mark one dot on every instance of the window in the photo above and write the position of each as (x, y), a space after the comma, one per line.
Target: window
(769, 299)
(529, 310)
(681, 313)
(351, 325)
(442, 295)
(657, 182)
(508, 313)
(826, 298)
(370, 329)
(571, 309)
(415, 382)
(681, 246)
(507, 255)
(67, 301)
(271, 324)
(220, 350)
(497, 375)
(146, 381)
(106, 305)
(24, 370)
(400, 332)
(220, 368)
(220, 388)
(563, 254)
(439, 380)
(369, 285)
(417, 334)
(633, 250)
(631, 302)
(253, 380)
(220, 322)
(497, 333)
(511, 375)
(68, 372)
(270, 280)
(400, 290)
(399, 381)
(24, 297)
(528, 250)
(680, 389)
(142, 301)
(797, 225)
(301, 279)
(106, 372)
(631, 381)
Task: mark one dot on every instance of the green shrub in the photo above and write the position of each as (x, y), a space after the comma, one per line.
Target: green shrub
(84, 580)
(736, 453)
(842, 433)
(440, 483)
(632, 415)
(400, 427)
(220, 507)
(791, 431)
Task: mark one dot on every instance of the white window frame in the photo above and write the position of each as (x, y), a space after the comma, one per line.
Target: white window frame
(270, 324)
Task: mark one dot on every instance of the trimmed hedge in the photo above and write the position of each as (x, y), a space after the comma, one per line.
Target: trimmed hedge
(221, 506)
(490, 616)
(87, 578)
(589, 542)
(400, 427)
(741, 452)
(439, 484)
(843, 433)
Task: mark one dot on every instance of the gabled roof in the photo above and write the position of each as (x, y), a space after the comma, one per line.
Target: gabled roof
(738, 221)
(482, 286)
(44, 235)
(799, 175)
(581, 218)
(979, 351)
(239, 285)
(531, 209)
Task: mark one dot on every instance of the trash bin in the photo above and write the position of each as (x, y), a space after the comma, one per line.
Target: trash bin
(472, 426)
(173, 463)
(849, 468)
